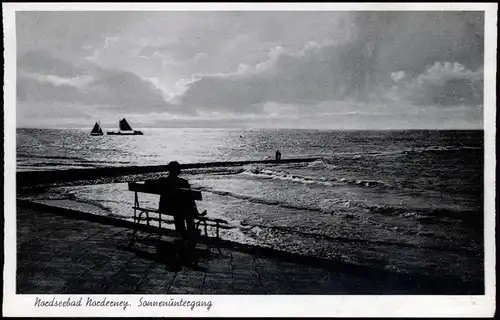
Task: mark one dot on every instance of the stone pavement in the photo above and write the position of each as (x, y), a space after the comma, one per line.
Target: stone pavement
(57, 254)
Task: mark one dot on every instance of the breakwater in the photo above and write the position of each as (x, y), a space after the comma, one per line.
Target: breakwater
(28, 178)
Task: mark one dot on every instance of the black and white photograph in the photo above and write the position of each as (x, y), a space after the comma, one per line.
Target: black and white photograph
(178, 156)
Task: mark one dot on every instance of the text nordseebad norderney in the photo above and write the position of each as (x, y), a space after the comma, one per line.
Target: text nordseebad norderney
(105, 302)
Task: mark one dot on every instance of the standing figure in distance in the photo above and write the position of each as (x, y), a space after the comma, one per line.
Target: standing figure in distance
(278, 155)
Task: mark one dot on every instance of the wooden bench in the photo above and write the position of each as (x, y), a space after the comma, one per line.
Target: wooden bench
(147, 215)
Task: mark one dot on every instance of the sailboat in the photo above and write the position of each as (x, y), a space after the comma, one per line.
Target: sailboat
(96, 131)
(125, 129)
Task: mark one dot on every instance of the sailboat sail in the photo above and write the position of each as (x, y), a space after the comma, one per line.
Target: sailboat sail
(125, 129)
(124, 125)
(96, 129)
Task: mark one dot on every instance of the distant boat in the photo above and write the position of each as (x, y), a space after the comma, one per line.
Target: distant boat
(125, 129)
(96, 131)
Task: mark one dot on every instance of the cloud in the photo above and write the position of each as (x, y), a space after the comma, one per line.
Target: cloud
(42, 62)
(77, 82)
(109, 42)
(384, 48)
(70, 34)
(285, 77)
(200, 56)
(399, 75)
(44, 78)
(222, 65)
(445, 84)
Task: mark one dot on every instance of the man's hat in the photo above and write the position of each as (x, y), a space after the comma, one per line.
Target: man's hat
(174, 166)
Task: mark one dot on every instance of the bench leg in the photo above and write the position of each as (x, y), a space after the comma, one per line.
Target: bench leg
(218, 236)
(132, 239)
(134, 231)
(159, 225)
(218, 248)
(137, 220)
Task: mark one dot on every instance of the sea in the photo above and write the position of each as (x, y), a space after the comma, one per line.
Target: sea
(405, 201)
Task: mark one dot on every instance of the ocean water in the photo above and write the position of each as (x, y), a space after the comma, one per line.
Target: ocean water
(409, 201)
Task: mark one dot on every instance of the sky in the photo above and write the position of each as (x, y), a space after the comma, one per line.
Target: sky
(263, 69)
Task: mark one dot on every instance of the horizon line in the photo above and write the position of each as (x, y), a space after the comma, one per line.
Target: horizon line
(277, 128)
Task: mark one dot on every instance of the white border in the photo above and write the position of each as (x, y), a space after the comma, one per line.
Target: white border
(242, 305)
(202, 6)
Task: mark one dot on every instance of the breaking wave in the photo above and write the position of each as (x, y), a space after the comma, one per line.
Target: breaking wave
(260, 227)
(333, 206)
(417, 150)
(283, 175)
(251, 199)
(434, 149)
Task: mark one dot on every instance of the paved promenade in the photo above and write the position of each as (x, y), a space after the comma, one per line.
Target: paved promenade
(57, 254)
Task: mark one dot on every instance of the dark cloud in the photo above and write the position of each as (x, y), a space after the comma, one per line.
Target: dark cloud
(253, 63)
(383, 43)
(414, 41)
(219, 33)
(445, 84)
(42, 62)
(66, 33)
(45, 78)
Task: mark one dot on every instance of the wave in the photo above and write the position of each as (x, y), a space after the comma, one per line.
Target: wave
(26, 155)
(61, 165)
(434, 149)
(259, 228)
(213, 171)
(472, 218)
(418, 150)
(76, 159)
(283, 175)
(258, 200)
(322, 164)
(282, 204)
(333, 206)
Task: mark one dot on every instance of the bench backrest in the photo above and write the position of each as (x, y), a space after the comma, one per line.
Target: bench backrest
(141, 187)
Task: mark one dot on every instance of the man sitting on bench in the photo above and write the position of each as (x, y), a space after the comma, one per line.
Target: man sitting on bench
(173, 201)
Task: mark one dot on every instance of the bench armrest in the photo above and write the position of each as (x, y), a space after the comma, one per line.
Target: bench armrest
(146, 209)
(211, 219)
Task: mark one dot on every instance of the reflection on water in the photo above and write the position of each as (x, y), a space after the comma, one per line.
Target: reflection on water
(407, 201)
